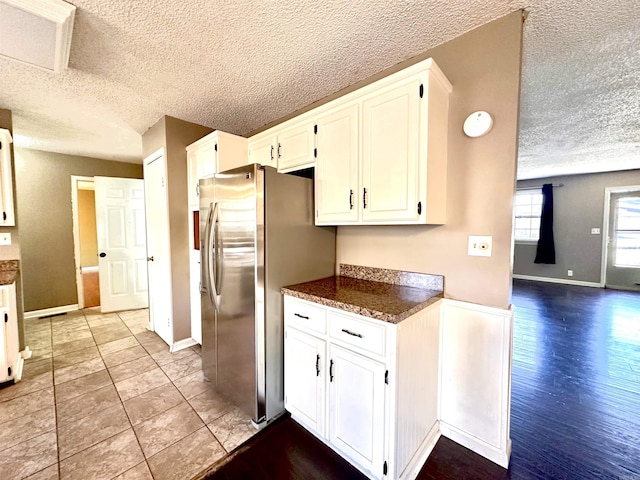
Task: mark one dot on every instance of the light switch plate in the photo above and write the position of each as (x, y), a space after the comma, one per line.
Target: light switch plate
(595, 231)
(480, 245)
(5, 238)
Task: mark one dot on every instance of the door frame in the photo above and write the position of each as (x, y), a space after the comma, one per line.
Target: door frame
(75, 180)
(156, 155)
(608, 192)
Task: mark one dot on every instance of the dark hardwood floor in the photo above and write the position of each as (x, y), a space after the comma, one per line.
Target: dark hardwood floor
(575, 411)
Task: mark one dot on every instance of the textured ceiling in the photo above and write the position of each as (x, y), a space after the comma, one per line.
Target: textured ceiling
(237, 65)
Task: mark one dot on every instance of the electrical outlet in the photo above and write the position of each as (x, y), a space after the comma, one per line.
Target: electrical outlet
(569, 273)
(595, 231)
(5, 238)
(480, 245)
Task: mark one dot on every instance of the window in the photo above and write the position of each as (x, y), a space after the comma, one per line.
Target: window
(627, 232)
(527, 214)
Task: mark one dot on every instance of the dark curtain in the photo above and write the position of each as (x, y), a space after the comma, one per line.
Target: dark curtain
(546, 252)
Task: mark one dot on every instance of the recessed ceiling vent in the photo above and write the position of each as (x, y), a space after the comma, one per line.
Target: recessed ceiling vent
(37, 32)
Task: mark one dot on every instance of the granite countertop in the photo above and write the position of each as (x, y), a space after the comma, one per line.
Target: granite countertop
(8, 271)
(389, 302)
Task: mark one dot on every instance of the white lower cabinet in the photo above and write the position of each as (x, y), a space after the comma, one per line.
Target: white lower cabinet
(373, 396)
(10, 359)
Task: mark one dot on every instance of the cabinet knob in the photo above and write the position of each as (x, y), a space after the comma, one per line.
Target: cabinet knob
(150, 259)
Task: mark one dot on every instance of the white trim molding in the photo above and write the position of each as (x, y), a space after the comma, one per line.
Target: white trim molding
(182, 344)
(579, 283)
(47, 312)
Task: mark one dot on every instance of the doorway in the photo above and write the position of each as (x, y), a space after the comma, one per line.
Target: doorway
(109, 242)
(621, 264)
(85, 241)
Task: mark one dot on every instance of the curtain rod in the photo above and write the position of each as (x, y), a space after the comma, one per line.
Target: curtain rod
(540, 186)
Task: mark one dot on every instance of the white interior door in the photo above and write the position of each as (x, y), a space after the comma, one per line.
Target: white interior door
(158, 250)
(121, 243)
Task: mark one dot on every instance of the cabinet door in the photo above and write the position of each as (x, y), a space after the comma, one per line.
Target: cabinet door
(304, 377)
(207, 160)
(295, 147)
(390, 154)
(7, 217)
(356, 408)
(262, 150)
(336, 177)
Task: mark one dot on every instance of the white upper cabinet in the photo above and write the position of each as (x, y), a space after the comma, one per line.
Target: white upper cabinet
(216, 152)
(380, 152)
(401, 148)
(287, 147)
(7, 218)
(336, 175)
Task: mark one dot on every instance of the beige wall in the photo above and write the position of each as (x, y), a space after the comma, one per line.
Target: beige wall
(484, 67)
(175, 135)
(43, 188)
(87, 228)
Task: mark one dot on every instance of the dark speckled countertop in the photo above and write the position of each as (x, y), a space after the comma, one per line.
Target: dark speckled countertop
(390, 302)
(8, 271)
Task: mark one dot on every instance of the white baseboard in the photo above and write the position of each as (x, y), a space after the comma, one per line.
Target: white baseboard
(565, 281)
(420, 457)
(51, 311)
(182, 344)
(496, 455)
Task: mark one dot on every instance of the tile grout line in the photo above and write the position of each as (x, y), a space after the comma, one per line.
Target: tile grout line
(122, 402)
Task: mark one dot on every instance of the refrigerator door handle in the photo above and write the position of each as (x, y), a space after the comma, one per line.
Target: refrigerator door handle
(205, 283)
(214, 250)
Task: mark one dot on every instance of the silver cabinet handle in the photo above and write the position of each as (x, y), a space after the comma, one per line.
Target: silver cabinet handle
(353, 334)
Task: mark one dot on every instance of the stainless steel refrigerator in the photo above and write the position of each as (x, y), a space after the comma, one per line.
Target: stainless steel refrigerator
(257, 235)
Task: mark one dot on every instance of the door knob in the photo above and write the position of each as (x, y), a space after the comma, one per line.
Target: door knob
(150, 259)
(102, 254)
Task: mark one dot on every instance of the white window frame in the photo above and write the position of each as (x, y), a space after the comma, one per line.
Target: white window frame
(532, 193)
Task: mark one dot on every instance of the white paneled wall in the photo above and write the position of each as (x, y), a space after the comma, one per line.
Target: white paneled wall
(475, 389)
(417, 405)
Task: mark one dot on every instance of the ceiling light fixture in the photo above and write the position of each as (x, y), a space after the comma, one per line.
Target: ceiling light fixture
(37, 32)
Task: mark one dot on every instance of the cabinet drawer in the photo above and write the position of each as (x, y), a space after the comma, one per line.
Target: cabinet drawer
(305, 315)
(366, 335)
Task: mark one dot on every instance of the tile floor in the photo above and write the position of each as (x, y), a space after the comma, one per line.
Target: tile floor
(102, 398)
